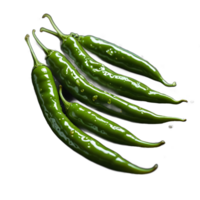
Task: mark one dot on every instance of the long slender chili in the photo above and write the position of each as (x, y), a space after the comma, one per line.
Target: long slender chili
(107, 79)
(98, 72)
(81, 89)
(74, 138)
(85, 118)
(120, 57)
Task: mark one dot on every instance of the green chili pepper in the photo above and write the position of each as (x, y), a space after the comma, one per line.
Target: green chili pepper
(121, 57)
(107, 79)
(98, 72)
(74, 138)
(86, 118)
(81, 89)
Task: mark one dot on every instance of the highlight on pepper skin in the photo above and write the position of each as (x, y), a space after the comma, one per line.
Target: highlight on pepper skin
(99, 73)
(121, 57)
(67, 132)
(87, 119)
(91, 148)
(122, 85)
(68, 76)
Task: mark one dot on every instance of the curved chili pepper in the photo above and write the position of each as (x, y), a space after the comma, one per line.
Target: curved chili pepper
(85, 118)
(74, 138)
(120, 57)
(81, 89)
(98, 72)
(107, 79)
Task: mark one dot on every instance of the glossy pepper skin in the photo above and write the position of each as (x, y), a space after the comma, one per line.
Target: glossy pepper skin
(82, 90)
(85, 118)
(98, 72)
(74, 138)
(120, 57)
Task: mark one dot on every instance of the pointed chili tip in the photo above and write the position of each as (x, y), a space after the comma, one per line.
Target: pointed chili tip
(184, 120)
(182, 100)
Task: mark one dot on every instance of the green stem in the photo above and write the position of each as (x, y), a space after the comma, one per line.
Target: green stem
(46, 30)
(54, 25)
(66, 103)
(35, 60)
(41, 45)
(49, 31)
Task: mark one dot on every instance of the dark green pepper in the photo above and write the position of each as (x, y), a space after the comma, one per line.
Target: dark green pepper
(82, 90)
(74, 138)
(99, 73)
(85, 118)
(120, 57)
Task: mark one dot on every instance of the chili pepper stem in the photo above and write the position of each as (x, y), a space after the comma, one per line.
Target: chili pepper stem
(155, 166)
(47, 51)
(66, 103)
(162, 142)
(46, 30)
(36, 61)
(54, 25)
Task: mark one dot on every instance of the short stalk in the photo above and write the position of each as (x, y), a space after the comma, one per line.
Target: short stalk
(41, 45)
(61, 35)
(35, 60)
(49, 31)
(46, 30)
(66, 103)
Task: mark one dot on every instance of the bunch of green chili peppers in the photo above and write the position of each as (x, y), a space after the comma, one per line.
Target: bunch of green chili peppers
(66, 126)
